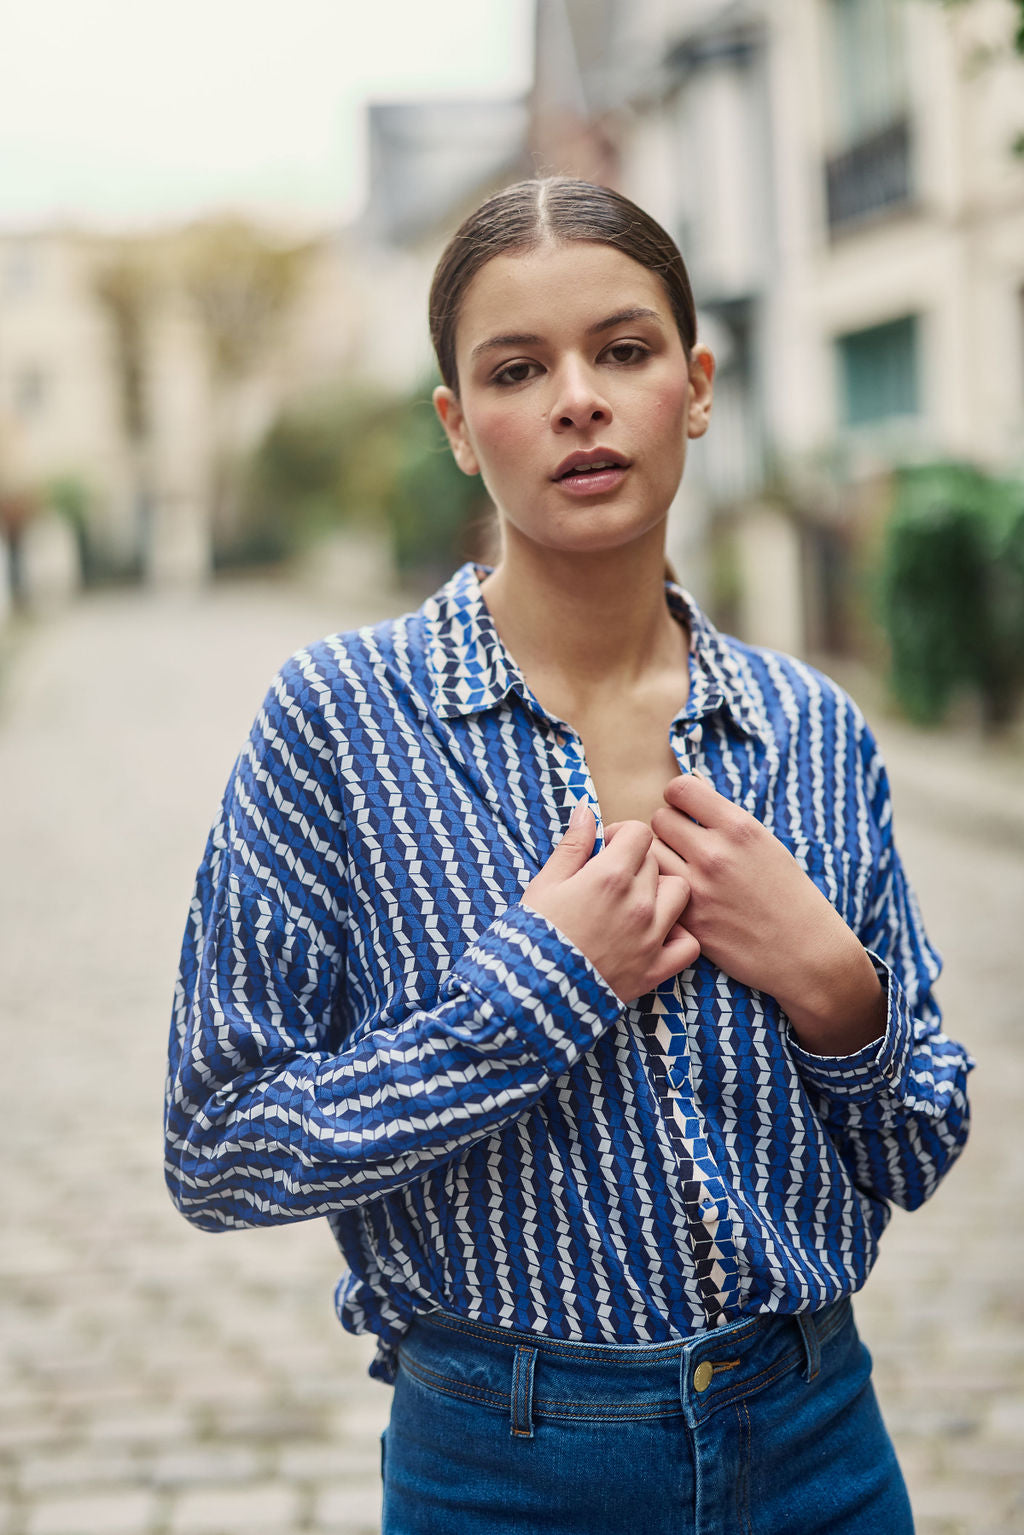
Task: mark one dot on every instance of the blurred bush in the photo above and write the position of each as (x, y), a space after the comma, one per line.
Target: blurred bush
(953, 591)
(434, 512)
(356, 460)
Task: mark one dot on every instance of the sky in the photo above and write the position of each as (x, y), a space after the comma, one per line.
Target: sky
(130, 113)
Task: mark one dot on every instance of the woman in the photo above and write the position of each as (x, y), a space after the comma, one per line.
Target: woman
(555, 948)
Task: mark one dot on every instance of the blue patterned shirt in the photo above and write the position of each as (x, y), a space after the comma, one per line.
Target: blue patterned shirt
(370, 1026)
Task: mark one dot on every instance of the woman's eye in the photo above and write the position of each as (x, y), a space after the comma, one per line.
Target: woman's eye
(627, 351)
(515, 373)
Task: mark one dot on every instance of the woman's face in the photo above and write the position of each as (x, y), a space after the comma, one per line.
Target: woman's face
(575, 396)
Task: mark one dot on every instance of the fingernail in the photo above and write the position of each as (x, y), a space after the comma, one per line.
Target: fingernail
(579, 813)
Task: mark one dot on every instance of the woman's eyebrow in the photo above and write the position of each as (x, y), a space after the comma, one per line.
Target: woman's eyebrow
(527, 338)
(622, 317)
(496, 343)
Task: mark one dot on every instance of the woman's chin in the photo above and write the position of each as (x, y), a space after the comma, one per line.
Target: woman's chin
(587, 534)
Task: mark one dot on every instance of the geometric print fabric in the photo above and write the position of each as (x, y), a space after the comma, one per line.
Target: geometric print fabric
(369, 1026)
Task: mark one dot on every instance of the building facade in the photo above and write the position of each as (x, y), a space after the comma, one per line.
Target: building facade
(842, 178)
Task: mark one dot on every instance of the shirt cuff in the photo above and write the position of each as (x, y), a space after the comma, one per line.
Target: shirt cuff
(525, 973)
(881, 1066)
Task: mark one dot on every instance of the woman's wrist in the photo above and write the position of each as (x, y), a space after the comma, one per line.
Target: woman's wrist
(843, 1008)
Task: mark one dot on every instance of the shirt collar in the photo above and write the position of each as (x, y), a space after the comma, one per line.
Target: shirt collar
(718, 678)
(471, 671)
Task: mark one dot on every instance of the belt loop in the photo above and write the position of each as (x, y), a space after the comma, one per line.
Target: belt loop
(522, 1392)
(808, 1325)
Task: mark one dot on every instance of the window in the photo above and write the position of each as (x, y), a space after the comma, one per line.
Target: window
(868, 68)
(879, 372)
(869, 168)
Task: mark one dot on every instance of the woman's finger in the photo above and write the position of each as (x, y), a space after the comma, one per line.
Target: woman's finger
(679, 951)
(679, 833)
(669, 861)
(693, 795)
(670, 902)
(645, 880)
(629, 849)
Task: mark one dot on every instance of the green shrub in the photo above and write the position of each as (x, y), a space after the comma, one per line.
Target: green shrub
(356, 459)
(953, 591)
(431, 504)
(301, 480)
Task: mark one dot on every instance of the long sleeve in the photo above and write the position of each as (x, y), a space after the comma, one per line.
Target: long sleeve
(369, 1025)
(272, 1112)
(898, 1108)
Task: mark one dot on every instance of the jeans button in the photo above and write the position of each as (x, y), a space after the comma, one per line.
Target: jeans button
(702, 1375)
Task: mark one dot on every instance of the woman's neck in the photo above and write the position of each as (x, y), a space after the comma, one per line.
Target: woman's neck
(581, 625)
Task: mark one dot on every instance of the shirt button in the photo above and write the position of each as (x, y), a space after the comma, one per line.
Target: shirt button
(702, 1375)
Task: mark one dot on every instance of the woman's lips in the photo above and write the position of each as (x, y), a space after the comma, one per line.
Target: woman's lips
(592, 482)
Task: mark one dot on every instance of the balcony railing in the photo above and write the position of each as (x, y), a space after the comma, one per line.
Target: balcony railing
(871, 178)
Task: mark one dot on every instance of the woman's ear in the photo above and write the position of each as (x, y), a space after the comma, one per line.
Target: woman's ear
(702, 387)
(450, 414)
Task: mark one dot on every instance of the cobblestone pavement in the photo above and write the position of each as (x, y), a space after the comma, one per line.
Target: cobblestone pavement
(159, 1381)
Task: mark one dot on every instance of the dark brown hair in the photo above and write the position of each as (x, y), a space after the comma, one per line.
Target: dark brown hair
(521, 217)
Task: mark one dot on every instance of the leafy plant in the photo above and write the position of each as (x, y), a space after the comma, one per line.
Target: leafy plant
(350, 459)
(431, 503)
(953, 591)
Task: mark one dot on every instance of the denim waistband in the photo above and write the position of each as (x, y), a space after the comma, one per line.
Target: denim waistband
(527, 1375)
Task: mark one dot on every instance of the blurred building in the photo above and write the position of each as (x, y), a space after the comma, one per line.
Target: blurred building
(430, 163)
(842, 178)
(135, 371)
(119, 396)
(840, 174)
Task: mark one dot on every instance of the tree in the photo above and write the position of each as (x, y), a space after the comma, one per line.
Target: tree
(240, 286)
(124, 283)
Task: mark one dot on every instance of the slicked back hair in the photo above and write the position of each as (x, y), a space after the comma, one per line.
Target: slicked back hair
(521, 217)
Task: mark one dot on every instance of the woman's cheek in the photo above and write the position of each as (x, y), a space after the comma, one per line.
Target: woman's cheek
(665, 425)
(500, 440)
(668, 407)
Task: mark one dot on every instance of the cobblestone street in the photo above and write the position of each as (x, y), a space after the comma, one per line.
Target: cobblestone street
(158, 1381)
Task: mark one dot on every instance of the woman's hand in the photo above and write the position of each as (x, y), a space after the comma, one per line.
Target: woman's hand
(761, 919)
(618, 907)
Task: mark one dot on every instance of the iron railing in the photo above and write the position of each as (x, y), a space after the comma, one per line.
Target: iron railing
(871, 178)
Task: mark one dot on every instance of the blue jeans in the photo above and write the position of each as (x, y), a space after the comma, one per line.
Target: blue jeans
(766, 1427)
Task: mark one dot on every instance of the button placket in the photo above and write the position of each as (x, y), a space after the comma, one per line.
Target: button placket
(573, 775)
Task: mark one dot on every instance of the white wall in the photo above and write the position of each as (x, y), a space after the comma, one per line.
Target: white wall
(50, 323)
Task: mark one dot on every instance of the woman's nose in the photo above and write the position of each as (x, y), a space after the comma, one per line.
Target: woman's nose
(578, 401)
